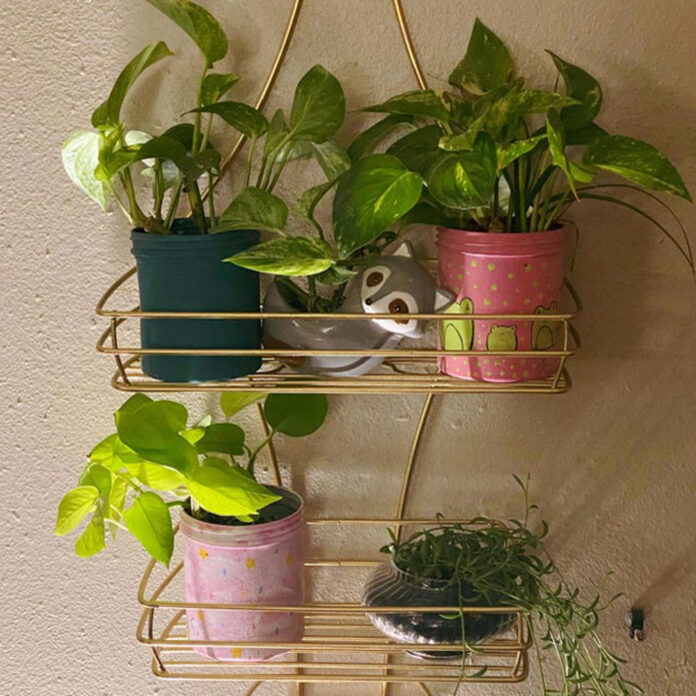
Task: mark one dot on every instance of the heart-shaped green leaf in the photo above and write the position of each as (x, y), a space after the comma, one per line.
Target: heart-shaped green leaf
(465, 180)
(152, 430)
(374, 194)
(332, 158)
(366, 141)
(100, 477)
(228, 490)
(199, 24)
(233, 402)
(253, 209)
(74, 507)
(636, 161)
(166, 148)
(420, 102)
(215, 86)
(223, 438)
(246, 119)
(289, 256)
(509, 152)
(149, 521)
(418, 150)
(80, 154)
(108, 114)
(582, 87)
(486, 65)
(318, 107)
(296, 415)
(91, 541)
(157, 476)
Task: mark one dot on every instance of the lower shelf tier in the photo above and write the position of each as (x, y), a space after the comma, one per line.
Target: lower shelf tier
(340, 644)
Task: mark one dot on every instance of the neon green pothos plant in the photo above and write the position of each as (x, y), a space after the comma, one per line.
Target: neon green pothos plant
(208, 466)
(507, 565)
(498, 156)
(106, 162)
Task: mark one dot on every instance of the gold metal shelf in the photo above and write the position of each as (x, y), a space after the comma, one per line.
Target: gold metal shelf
(407, 369)
(340, 644)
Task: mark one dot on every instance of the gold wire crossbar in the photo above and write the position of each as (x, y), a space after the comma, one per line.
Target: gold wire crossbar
(404, 369)
(339, 645)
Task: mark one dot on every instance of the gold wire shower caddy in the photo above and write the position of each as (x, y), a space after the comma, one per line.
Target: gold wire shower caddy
(340, 643)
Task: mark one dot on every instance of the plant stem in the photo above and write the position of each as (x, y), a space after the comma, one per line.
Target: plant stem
(250, 159)
(211, 200)
(158, 185)
(549, 186)
(279, 169)
(197, 117)
(174, 203)
(137, 215)
(522, 198)
(254, 454)
(197, 209)
(272, 156)
(551, 217)
(120, 204)
(312, 285)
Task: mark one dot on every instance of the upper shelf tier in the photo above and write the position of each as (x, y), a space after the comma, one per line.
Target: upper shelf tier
(412, 367)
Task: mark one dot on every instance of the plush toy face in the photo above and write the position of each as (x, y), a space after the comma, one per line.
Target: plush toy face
(379, 296)
(398, 285)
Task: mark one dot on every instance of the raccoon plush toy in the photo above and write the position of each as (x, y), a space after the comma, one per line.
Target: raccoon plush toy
(395, 284)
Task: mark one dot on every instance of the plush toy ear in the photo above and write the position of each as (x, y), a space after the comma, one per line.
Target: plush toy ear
(443, 299)
(404, 249)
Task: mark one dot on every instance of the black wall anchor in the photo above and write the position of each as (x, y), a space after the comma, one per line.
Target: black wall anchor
(635, 620)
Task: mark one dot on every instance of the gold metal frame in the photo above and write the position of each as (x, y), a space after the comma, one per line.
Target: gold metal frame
(340, 643)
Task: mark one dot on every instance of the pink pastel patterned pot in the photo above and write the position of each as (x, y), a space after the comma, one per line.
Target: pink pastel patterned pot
(254, 564)
(500, 273)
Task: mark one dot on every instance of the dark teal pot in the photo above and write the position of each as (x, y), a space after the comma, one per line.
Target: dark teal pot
(184, 272)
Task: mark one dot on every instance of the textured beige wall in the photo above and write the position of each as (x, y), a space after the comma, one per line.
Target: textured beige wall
(612, 461)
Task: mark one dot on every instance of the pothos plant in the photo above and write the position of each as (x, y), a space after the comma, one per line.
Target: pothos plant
(507, 565)
(155, 461)
(498, 156)
(106, 162)
(370, 196)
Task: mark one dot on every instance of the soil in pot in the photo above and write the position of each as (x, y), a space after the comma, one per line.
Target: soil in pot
(185, 272)
(501, 273)
(226, 562)
(390, 586)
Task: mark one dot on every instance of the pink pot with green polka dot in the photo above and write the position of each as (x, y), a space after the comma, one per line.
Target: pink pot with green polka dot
(500, 273)
(246, 564)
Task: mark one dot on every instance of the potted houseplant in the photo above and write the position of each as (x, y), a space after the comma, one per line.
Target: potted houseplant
(179, 259)
(487, 563)
(348, 271)
(243, 542)
(502, 163)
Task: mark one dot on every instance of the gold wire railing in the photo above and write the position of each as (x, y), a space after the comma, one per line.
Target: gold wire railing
(405, 369)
